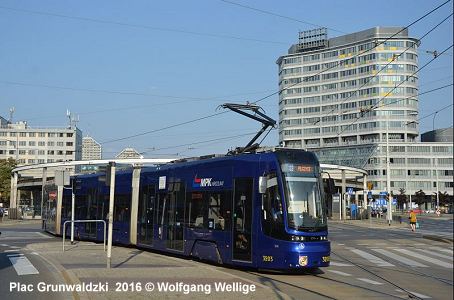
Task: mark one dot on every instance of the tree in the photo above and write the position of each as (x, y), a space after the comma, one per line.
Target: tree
(6, 166)
(420, 197)
(444, 198)
(401, 198)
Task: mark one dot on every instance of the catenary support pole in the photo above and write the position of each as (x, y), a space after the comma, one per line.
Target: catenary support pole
(111, 208)
(73, 200)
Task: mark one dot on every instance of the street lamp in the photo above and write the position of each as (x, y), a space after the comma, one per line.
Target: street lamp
(388, 175)
(414, 113)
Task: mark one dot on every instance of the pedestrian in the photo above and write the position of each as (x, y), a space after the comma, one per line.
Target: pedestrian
(413, 220)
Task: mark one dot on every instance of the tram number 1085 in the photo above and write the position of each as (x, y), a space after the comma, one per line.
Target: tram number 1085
(267, 258)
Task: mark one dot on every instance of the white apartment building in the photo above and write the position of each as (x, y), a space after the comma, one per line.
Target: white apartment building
(91, 149)
(37, 145)
(344, 97)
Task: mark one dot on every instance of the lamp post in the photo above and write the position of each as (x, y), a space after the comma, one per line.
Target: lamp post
(414, 113)
(436, 164)
(388, 176)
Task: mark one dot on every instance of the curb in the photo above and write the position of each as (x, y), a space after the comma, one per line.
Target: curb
(68, 276)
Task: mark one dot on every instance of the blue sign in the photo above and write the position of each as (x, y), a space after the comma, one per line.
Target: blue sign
(394, 201)
(383, 193)
(369, 195)
(350, 191)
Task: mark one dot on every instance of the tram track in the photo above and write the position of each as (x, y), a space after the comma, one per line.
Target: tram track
(411, 270)
(402, 268)
(261, 275)
(409, 294)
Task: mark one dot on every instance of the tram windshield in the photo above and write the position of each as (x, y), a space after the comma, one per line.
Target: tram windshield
(305, 205)
(303, 191)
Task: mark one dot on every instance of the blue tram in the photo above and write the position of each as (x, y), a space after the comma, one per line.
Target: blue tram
(261, 210)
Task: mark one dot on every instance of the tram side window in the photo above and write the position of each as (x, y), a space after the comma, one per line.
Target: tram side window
(66, 206)
(210, 210)
(273, 212)
(197, 211)
(92, 204)
(218, 211)
(121, 209)
(81, 207)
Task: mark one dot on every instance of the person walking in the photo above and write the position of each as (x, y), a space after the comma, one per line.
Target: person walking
(413, 220)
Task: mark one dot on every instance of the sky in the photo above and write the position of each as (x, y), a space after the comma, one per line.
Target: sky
(140, 68)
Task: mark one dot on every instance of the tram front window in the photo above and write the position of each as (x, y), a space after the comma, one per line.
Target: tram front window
(305, 205)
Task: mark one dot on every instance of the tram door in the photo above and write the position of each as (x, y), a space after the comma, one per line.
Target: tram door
(242, 219)
(175, 215)
(146, 212)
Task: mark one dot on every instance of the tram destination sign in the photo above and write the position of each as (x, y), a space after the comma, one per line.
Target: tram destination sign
(297, 168)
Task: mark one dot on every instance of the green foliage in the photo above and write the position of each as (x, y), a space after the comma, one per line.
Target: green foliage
(420, 197)
(444, 198)
(6, 166)
(401, 198)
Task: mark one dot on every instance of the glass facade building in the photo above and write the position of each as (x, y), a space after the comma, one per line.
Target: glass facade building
(344, 97)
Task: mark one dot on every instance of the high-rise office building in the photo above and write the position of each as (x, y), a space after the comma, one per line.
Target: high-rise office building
(345, 97)
(328, 83)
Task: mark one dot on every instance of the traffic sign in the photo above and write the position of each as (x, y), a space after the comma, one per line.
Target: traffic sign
(369, 195)
(383, 193)
(350, 191)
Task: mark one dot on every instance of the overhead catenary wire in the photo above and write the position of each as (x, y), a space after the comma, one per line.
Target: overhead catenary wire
(394, 58)
(140, 26)
(435, 112)
(389, 93)
(419, 94)
(129, 93)
(279, 91)
(200, 142)
(358, 54)
(270, 95)
(279, 15)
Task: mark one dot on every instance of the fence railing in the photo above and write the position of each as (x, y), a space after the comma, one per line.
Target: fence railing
(84, 221)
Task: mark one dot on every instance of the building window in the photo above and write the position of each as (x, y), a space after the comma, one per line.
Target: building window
(31, 134)
(32, 143)
(42, 134)
(22, 134)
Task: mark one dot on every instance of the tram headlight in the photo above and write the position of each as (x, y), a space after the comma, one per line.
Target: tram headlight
(296, 238)
(323, 238)
(302, 260)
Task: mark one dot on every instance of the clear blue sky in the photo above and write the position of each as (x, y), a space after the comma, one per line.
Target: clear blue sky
(182, 60)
